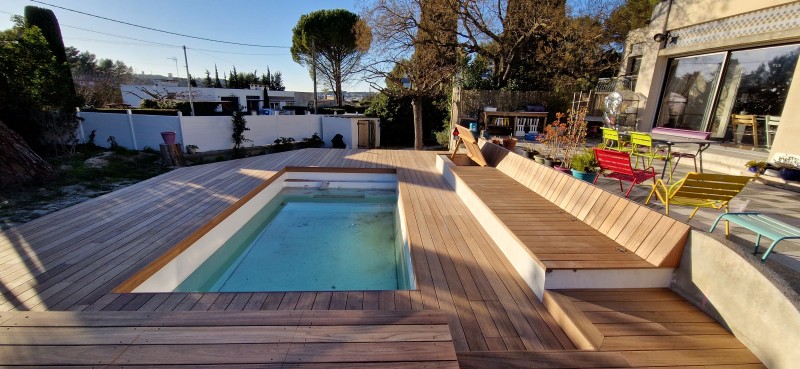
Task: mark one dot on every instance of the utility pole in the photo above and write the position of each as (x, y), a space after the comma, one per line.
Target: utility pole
(314, 72)
(188, 79)
(177, 73)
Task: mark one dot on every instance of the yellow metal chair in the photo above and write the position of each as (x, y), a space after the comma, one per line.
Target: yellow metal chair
(642, 147)
(700, 190)
(613, 141)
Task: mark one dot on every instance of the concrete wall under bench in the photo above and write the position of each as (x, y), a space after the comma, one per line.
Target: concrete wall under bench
(736, 290)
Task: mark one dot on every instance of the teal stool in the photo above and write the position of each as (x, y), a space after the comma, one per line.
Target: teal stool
(762, 225)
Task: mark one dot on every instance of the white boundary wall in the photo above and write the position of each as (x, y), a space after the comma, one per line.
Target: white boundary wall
(137, 131)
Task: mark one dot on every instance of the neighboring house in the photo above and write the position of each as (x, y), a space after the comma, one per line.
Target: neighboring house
(700, 61)
(249, 99)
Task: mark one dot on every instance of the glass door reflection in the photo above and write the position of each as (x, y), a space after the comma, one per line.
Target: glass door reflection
(756, 82)
(690, 87)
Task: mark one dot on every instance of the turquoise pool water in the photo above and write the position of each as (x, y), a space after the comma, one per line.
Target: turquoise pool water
(312, 240)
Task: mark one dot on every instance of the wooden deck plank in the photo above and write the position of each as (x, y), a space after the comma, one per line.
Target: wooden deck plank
(524, 360)
(503, 196)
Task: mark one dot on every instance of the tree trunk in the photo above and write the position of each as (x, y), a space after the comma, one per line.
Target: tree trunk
(416, 104)
(20, 164)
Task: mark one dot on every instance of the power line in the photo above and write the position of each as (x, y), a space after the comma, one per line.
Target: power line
(159, 30)
(163, 44)
(113, 35)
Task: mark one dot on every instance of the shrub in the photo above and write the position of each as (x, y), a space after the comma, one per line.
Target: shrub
(239, 126)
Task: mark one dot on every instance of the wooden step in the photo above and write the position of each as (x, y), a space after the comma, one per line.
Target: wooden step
(647, 327)
(541, 359)
(310, 339)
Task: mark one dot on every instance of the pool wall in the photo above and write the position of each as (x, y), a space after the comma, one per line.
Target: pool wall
(168, 271)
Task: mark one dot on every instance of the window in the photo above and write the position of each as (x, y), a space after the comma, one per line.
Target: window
(756, 82)
(751, 82)
(690, 86)
(634, 63)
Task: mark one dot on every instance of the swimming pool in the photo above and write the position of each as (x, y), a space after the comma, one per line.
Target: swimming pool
(304, 231)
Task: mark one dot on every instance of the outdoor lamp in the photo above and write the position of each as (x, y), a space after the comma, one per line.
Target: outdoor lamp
(660, 37)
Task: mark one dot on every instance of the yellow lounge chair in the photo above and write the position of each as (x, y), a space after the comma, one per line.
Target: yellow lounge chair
(700, 190)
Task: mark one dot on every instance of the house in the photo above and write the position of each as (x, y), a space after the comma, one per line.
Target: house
(250, 100)
(699, 62)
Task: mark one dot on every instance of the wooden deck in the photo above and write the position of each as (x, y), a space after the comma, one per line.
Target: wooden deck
(649, 328)
(264, 339)
(72, 259)
(69, 262)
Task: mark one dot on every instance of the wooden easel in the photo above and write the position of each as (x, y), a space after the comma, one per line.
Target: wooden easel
(473, 151)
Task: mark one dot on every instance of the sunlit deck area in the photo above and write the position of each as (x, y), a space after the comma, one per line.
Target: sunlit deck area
(71, 261)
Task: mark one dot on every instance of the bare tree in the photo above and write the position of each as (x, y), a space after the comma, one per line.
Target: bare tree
(413, 50)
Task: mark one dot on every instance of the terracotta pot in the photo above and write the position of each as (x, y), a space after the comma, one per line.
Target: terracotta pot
(168, 137)
(510, 143)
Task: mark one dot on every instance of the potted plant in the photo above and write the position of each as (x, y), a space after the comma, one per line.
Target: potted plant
(550, 140)
(565, 138)
(788, 168)
(530, 152)
(756, 166)
(191, 149)
(584, 166)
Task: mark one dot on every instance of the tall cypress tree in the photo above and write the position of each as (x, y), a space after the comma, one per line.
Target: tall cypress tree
(48, 24)
(217, 82)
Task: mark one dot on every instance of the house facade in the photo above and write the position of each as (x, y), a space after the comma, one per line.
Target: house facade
(724, 67)
(250, 100)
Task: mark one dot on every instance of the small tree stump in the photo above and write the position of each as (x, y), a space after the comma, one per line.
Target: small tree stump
(171, 155)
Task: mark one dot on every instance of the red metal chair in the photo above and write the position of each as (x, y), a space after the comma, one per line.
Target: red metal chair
(617, 165)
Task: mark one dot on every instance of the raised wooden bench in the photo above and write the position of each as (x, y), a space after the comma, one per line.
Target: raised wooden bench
(560, 232)
(646, 328)
(268, 339)
(761, 225)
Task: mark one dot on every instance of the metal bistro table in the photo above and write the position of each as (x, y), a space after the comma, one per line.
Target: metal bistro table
(671, 140)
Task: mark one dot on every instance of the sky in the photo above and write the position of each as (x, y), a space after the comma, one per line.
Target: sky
(257, 22)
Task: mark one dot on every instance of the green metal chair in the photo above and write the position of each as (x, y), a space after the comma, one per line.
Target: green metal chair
(613, 141)
(642, 147)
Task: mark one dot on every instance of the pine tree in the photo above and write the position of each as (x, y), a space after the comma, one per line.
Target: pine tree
(207, 82)
(217, 82)
(277, 82)
(233, 79)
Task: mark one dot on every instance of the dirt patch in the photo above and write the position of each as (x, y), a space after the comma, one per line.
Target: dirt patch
(80, 177)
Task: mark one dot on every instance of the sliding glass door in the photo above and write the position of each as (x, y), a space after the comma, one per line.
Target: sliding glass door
(756, 83)
(702, 92)
(691, 83)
